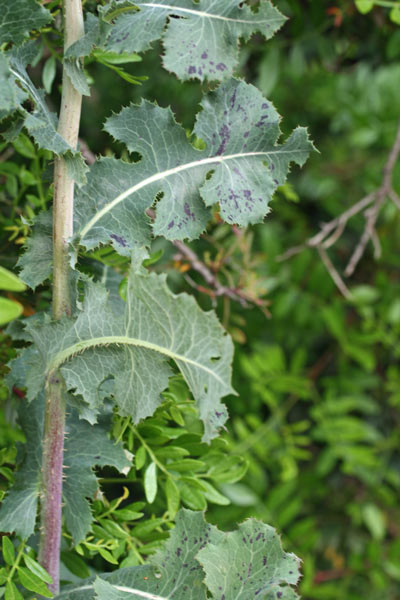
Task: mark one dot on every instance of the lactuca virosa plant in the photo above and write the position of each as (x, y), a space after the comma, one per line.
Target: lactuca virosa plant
(96, 349)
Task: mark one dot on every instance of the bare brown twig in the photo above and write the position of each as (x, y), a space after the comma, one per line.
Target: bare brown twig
(210, 278)
(371, 205)
(340, 284)
(372, 213)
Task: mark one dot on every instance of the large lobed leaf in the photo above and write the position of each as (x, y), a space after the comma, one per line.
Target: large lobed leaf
(240, 169)
(200, 38)
(134, 348)
(248, 563)
(199, 562)
(86, 446)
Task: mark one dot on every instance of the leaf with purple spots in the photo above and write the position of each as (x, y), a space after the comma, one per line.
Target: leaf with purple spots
(199, 561)
(249, 564)
(242, 127)
(245, 164)
(200, 42)
(174, 573)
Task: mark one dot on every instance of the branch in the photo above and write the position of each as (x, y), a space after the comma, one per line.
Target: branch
(340, 284)
(338, 224)
(372, 214)
(235, 294)
(209, 277)
(371, 206)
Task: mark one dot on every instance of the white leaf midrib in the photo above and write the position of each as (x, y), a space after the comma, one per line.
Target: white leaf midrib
(168, 173)
(83, 345)
(206, 15)
(140, 593)
(120, 588)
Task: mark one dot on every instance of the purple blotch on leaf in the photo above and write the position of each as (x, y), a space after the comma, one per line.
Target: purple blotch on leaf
(221, 66)
(120, 240)
(192, 69)
(188, 212)
(225, 135)
(204, 55)
(261, 122)
(171, 224)
(233, 98)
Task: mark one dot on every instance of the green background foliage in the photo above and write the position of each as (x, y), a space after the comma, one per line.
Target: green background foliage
(312, 445)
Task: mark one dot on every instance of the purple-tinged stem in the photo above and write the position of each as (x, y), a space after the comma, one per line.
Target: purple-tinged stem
(63, 207)
(52, 473)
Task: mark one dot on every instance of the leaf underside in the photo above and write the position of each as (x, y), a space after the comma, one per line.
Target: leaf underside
(199, 560)
(127, 353)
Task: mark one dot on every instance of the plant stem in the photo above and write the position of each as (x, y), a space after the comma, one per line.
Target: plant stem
(63, 206)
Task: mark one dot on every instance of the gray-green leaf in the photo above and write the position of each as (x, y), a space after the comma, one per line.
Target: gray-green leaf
(40, 123)
(198, 562)
(135, 348)
(11, 96)
(249, 563)
(85, 447)
(36, 262)
(18, 509)
(201, 43)
(19, 17)
(242, 159)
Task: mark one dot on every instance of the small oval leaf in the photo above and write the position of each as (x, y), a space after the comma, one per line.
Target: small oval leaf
(173, 497)
(37, 569)
(150, 482)
(10, 282)
(8, 550)
(32, 582)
